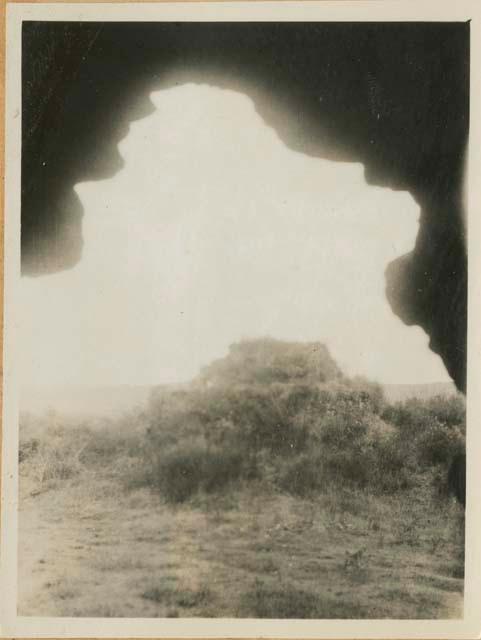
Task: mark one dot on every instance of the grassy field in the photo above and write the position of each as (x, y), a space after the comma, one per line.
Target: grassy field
(272, 486)
(94, 542)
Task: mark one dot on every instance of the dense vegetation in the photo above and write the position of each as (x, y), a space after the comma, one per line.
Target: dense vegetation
(278, 413)
(279, 488)
(284, 414)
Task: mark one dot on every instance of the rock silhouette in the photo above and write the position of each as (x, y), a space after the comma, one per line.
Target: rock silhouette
(394, 96)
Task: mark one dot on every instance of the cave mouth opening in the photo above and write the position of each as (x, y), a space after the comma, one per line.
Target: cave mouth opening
(218, 227)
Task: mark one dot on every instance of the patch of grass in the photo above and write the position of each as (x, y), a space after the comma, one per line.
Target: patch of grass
(268, 565)
(442, 583)
(424, 604)
(109, 562)
(274, 530)
(453, 570)
(185, 598)
(97, 611)
(264, 601)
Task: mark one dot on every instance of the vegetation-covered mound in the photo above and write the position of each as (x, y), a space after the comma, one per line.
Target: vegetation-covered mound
(266, 361)
(280, 496)
(283, 414)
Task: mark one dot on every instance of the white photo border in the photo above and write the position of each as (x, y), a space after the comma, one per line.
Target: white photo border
(12, 625)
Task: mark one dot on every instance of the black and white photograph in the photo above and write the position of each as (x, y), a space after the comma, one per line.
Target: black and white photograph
(236, 372)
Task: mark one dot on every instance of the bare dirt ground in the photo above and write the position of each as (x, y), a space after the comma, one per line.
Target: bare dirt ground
(89, 548)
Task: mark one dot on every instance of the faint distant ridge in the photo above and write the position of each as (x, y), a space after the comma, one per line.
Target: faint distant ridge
(84, 401)
(255, 363)
(267, 360)
(400, 392)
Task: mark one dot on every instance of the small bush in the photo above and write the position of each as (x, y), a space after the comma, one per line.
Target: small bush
(438, 443)
(343, 430)
(302, 476)
(106, 447)
(181, 473)
(449, 410)
(347, 468)
(27, 449)
(409, 416)
(220, 468)
(391, 468)
(54, 457)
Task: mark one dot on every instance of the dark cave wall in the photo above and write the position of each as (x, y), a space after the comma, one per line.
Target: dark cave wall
(394, 96)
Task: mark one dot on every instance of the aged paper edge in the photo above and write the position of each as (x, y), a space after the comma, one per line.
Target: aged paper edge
(355, 10)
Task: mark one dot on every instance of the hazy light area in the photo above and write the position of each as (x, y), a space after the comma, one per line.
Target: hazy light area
(215, 231)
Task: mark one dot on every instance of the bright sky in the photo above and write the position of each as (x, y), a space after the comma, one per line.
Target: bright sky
(214, 231)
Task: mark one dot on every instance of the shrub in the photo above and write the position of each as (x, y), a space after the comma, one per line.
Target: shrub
(54, 457)
(246, 419)
(105, 447)
(391, 468)
(27, 449)
(438, 443)
(302, 476)
(430, 433)
(370, 393)
(263, 424)
(344, 467)
(409, 416)
(267, 411)
(449, 410)
(343, 430)
(182, 472)
(220, 468)
(413, 415)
